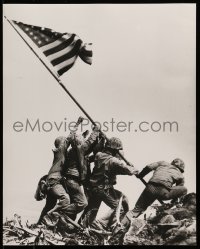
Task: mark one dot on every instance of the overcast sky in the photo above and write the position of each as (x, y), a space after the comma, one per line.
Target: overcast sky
(143, 70)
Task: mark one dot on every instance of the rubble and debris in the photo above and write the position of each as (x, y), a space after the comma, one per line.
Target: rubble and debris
(136, 227)
(170, 226)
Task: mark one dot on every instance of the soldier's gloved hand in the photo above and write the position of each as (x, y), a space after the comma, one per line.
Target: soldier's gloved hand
(133, 171)
(138, 176)
(136, 172)
(80, 120)
(96, 128)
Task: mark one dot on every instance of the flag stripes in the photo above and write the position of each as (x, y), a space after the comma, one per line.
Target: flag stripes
(58, 45)
(61, 49)
(74, 51)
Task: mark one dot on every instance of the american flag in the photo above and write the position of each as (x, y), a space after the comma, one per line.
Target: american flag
(61, 49)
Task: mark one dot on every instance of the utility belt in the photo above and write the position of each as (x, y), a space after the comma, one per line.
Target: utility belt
(44, 185)
(158, 184)
(103, 186)
(73, 177)
(50, 183)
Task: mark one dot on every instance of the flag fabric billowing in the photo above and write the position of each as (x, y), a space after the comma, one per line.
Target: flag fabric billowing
(61, 49)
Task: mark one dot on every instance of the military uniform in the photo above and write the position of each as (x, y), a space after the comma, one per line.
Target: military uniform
(75, 171)
(57, 198)
(160, 186)
(56, 191)
(102, 179)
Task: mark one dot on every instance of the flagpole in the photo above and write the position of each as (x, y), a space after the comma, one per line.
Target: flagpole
(58, 80)
(62, 85)
(67, 91)
(31, 48)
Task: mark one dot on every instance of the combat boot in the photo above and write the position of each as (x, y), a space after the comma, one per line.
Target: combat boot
(51, 219)
(125, 224)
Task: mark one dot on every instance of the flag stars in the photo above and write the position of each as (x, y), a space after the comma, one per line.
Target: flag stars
(35, 38)
(27, 29)
(46, 39)
(39, 42)
(31, 33)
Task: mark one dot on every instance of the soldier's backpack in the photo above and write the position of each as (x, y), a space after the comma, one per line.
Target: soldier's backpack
(41, 191)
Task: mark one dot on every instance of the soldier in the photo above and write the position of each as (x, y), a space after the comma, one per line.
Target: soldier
(76, 170)
(58, 199)
(107, 167)
(160, 186)
(43, 191)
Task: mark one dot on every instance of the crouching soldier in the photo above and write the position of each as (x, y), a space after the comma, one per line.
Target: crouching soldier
(160, 186)
(107, 167)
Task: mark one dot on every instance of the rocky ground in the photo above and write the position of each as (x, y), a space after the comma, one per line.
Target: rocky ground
(172, 224)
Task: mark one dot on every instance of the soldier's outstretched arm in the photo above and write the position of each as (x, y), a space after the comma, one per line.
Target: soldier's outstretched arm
(144, 172)
(150, 167)
(90, 141)
(120, 168)
(70, 137)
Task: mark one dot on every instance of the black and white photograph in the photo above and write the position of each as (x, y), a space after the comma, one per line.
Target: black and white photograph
(99, 124)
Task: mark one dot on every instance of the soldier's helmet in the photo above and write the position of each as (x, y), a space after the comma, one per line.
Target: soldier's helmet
(179, 164)
(114, 143)
(59, 140)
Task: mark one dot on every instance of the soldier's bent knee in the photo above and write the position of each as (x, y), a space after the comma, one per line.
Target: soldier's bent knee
(81, 206)
(84, 204)
(185, 190)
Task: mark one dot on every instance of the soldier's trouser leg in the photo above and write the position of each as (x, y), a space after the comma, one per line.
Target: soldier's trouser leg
(90, 212)
(125, 202)
(58, 192)
(175, 192)
(153, 192)
(116, 195)
(77, 196)
(109, 197)
(50, 203)
(104, 221)
(148, 196)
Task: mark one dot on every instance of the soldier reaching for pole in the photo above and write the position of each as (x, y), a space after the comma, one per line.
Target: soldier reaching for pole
(76, 170)
(160, 186)
(43, 192)
(65, 181)
(107, 167)
(54, 191)
(62, 192)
